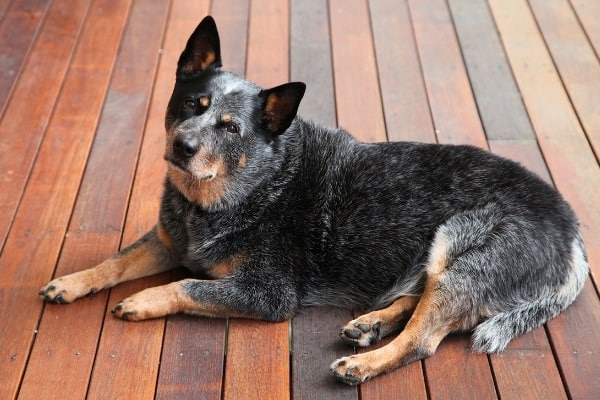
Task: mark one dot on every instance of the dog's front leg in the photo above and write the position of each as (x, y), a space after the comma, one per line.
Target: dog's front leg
(221, 298)
(147, 256)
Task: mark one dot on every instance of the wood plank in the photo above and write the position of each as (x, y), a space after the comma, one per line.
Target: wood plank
(231, 17)
(22, 127)
(263, 346)
(574, 336)
(456, 120)
(38, 231)
(498, 99)
(179, 375)
(452, 105)
(575, 173)
(311, 62)
(358, 100)
(405, 103)
(575, 60)
(18, 30)
(95, 229)
(316, 343)
(562, 140)
(587, 13)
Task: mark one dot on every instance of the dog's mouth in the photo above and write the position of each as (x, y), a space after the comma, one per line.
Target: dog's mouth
(204, 175)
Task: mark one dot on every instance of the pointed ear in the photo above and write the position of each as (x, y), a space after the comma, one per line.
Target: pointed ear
(202, 51)
(281, 105)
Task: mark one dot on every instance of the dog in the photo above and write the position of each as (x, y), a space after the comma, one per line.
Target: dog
(272, 213)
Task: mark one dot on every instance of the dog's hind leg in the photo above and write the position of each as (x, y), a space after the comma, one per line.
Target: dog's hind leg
(151, 254)
(370, 328)
(435, 316)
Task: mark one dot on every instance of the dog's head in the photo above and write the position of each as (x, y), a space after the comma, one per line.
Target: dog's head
(221, 128)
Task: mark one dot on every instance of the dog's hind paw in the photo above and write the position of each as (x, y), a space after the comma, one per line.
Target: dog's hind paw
(350, 370)
(361, 333)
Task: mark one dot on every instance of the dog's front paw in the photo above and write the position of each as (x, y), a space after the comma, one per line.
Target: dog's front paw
(66, 289)
(361, 333)
(130, 309)
(153, 302)
(351, 370)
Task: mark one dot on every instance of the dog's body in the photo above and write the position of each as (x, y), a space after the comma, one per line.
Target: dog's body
(284, 214)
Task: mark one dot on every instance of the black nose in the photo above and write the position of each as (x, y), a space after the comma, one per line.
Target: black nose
(186, 147)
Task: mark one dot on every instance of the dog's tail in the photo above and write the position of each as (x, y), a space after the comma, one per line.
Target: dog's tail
(495, 333)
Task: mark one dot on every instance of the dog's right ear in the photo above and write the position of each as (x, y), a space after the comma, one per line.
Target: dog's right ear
(202, 51)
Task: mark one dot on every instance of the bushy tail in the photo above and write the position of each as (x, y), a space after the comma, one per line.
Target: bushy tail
(495, 333)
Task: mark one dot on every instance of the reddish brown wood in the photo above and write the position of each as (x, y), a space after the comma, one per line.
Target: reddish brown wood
(574, 335)
(231, 17)
(575, 60)
(94, 231)
(587, 10)
(26, 115)
(575, 173)
(407, 113)
(38, 231)
(452, 105)
(18, 29)
(356, 86)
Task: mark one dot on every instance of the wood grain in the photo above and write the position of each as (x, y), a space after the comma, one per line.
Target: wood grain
(23, 127)
(405, 103)
(37, 234)
(452, 105)
(573, 168)
(95, 229)
(18, 30)
(356, 85)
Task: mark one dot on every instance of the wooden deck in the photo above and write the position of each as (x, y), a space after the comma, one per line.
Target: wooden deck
(83, 89)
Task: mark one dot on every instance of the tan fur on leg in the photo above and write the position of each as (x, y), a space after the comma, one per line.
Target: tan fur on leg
(369, 328)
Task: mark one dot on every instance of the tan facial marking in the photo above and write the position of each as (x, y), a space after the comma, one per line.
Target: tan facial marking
(204, 101)
(243, 161)
(205, 192)
(226, 118)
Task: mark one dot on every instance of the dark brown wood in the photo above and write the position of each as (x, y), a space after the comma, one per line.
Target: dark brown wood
(39, 227)
(18, 29)
(26, 116)
(96, 225)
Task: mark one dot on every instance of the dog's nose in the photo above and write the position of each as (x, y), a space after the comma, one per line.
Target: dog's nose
(186, 147)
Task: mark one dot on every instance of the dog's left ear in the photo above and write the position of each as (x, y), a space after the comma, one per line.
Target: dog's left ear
(202, 51)
(281, 105)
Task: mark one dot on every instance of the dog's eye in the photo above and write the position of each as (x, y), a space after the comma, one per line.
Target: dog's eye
(189, 103)
(231, 128)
